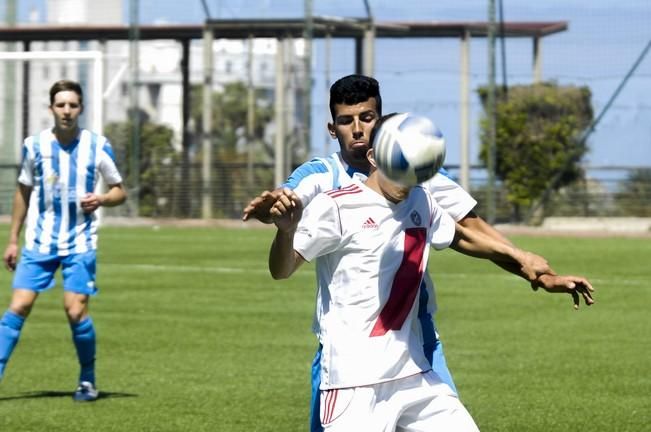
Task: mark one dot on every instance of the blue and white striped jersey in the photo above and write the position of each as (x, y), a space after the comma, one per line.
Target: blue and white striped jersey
(60, 177)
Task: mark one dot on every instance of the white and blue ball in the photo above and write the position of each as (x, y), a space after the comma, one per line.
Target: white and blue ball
(409, 149)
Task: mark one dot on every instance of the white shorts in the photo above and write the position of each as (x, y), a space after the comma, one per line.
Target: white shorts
(417, 403)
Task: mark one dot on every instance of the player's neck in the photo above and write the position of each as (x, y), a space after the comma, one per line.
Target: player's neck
(388, 190)
(66, 137)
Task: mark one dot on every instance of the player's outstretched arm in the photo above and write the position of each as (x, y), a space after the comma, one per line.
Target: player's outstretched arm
(260, 206)
(576, 286)
(285, 212)
(531, 265)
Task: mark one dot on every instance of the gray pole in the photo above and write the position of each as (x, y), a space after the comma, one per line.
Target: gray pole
(134, 105)
(465, 111)
(327, 62)
(279, 114)
(206, 141)
(490, 112)
(250, 118)
(369, 43)
(9, 153)
(307, 79)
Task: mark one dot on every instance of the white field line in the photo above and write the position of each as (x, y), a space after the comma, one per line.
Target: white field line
(263, 270)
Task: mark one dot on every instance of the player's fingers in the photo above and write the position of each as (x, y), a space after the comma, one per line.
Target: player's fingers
(586, 294)
(285, 201)
(575, 299)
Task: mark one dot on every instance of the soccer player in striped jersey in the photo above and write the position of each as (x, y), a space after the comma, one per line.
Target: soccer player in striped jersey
(56, 197)
(369, 241)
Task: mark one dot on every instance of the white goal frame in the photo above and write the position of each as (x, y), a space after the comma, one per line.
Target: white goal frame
(97, 60)
(97, 100)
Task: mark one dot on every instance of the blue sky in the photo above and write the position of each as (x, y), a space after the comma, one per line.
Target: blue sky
(604, 39)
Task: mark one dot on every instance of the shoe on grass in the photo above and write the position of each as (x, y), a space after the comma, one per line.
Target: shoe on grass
(86, 392)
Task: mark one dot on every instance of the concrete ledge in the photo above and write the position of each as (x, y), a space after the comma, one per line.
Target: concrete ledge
(614, 224)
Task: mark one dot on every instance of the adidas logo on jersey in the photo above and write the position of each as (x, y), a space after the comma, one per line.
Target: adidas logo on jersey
(369, 224)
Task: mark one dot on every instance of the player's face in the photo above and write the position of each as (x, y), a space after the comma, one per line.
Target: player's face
(352, 127)
(66, 110)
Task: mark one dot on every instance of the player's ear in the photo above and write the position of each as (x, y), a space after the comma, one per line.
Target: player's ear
(370, 155)
(332, 130)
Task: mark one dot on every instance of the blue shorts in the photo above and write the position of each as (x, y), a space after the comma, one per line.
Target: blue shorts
(35, 271)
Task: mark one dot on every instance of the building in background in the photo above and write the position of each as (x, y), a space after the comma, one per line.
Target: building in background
(160, 86)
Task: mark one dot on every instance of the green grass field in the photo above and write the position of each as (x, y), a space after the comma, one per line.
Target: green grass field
(194, 335)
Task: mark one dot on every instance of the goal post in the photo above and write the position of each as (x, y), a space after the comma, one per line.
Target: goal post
(60, 64)
(96, 58)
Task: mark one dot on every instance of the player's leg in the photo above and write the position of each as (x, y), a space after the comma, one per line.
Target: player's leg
(315, 421)
(351, 409)
(34, 274)
(79, 283)
(11, 323)
(431, 405)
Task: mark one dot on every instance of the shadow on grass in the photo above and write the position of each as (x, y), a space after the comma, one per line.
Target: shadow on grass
(64, 394)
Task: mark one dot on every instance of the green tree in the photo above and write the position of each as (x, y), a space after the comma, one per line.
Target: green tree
(157, 168)
(537, 139)
(230, 143)
(634, 195)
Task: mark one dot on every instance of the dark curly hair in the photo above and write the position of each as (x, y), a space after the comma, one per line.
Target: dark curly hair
(354, 89)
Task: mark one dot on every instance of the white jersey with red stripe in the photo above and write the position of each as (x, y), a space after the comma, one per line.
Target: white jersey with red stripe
(371, 256)
(332, 172)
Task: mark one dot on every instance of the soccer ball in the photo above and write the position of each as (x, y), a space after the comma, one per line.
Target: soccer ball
(409, 149)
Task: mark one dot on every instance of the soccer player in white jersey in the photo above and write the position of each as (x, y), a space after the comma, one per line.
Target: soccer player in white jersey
(355, 106)
(370, 242)
(56, 196)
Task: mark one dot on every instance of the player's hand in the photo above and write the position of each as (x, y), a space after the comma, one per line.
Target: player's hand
(576, 286)
(260, 206)
(286, 212)
(90, 202)
(10, 257)
(534, 265)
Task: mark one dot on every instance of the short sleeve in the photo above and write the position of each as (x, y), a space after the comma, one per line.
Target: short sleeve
(319, 231)
(310, 179)
(443, 228)
(452, 198)
(107, 165)
(26, 176)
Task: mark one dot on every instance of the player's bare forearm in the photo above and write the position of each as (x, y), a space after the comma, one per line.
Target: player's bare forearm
(479, 245)
(283, 260)
(18, 214)
(576, 286)
(531, 265)
(286, 213)
(115, 195)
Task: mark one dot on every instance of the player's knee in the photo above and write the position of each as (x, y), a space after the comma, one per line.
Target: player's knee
(21, 308)
(75, 312)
